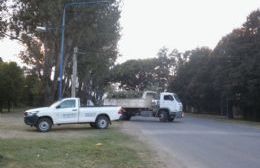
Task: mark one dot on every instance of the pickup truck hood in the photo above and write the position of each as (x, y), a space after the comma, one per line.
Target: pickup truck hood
(37, 109)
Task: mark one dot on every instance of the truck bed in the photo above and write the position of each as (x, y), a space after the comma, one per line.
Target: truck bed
(129, 103)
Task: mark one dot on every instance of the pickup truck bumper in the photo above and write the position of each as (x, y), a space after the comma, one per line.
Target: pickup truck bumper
(177, 114)
(31, 120)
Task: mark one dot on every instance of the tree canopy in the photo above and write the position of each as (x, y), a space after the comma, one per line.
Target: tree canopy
(94, 29)
(226, 79)
(3, 20)
(11, 84)
(146, 74)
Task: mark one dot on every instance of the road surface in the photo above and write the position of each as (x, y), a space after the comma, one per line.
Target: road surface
(200, 142)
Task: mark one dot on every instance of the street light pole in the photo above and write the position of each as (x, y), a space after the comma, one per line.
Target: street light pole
(80, 4)
(62, 52)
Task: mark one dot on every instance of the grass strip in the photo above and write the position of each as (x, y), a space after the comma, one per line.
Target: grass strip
(115, 150)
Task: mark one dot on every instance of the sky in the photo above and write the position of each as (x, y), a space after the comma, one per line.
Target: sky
(148, 25)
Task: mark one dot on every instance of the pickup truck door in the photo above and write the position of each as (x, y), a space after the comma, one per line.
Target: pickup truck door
(88, 114)
(67, 112)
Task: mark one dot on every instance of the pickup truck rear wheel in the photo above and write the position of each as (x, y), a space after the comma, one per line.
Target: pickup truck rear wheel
(163, 117)
(102, 122)
(44, 125)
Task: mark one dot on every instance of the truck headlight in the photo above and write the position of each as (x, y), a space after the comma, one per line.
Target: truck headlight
(31, 113)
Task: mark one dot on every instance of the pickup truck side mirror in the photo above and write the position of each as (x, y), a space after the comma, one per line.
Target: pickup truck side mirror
(57, 107)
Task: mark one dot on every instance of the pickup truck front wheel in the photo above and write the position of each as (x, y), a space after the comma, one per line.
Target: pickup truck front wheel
(44, 125)
(102, 122)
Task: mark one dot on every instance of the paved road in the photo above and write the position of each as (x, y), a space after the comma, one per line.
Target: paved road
(203, 143)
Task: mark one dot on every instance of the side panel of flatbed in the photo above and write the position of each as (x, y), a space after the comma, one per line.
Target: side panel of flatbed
(129, 103)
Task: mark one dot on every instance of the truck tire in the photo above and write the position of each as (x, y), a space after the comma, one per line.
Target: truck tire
(102, 122)
(126, 117)
(44, 125)
(93, 125)
(171, 119)
(163, 116)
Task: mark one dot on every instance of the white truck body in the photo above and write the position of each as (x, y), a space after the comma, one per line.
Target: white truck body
(129, 103)
(144, 102)
(68, 111)
(166, 106)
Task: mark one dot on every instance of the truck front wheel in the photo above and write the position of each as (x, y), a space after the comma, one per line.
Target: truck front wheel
(163, 117)
(171, 118)
(44, 125)
(102, 122)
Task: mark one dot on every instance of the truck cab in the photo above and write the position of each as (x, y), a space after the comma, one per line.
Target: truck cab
(169, 107)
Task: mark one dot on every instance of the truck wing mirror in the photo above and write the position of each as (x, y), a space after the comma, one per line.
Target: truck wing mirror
(57, 107)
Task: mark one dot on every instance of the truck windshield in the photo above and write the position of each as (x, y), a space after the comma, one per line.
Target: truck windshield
(177, 98)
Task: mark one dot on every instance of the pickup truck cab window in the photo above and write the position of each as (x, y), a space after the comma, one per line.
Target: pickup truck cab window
(67, 104)
(168, 97)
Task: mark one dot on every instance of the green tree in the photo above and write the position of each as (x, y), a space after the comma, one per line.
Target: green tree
(135, 74)
(32, 90)
(192, 81)
(94, 29)
(238, 56)
(3, 21)
(227, 79)
(147, 74)
(11, 84)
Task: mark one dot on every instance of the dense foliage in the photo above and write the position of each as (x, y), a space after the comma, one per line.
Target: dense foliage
(227, 79)
(146, 74)
(3, 21)
(124, 94)
(11, 84)
(94, 29)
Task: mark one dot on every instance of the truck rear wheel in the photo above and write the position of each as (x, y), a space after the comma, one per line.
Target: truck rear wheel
(163, 117)
(102, 122)
(126, 117)
(44, 125)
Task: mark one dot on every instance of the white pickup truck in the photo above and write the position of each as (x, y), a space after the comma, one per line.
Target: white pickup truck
(166, 106)
(68, 111)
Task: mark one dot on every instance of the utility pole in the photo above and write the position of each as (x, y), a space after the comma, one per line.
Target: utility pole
(74, 72)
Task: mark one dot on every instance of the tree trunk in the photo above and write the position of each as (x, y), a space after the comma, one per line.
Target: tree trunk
(8, 105)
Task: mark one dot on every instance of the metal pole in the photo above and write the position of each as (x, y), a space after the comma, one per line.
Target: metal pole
(74, 73)
(62, 52)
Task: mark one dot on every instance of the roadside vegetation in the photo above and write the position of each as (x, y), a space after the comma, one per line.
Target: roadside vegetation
(101, 149)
